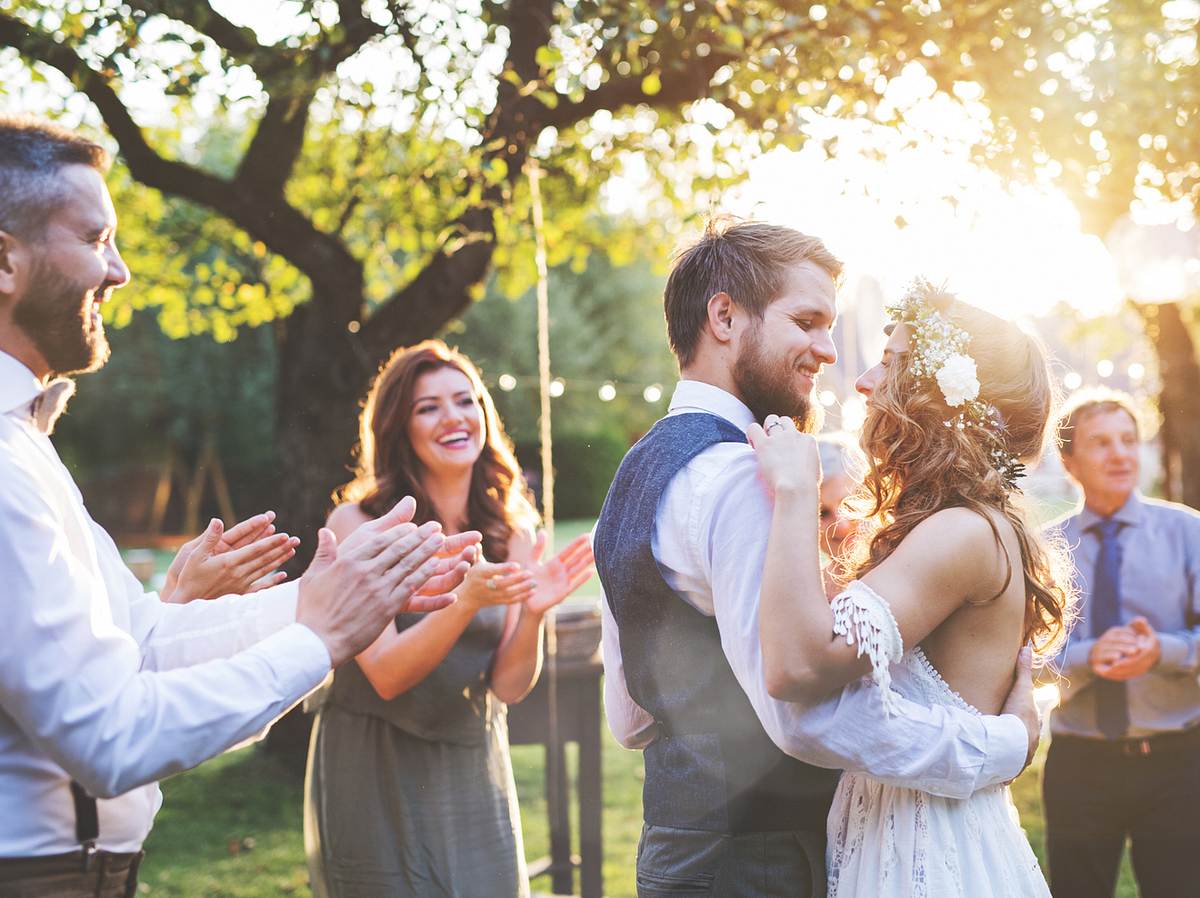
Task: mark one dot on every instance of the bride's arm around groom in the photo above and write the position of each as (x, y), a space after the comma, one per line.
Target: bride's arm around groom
(713, 528)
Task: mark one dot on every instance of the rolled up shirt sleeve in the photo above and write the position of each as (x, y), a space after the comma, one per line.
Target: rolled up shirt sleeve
(81, 688)
(942, 750)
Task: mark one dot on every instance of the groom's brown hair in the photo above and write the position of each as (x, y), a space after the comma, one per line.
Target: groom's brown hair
(747, 260)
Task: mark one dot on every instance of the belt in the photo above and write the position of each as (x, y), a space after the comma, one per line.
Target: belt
(96, 870)
(1142, 747)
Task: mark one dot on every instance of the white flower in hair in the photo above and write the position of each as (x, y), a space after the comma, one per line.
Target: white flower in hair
(958, 379)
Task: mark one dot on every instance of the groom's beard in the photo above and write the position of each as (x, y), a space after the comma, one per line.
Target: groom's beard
(56, 315)
(769, 387)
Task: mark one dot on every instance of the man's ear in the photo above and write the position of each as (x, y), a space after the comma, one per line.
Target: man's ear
(11, 262)
(720, 317)
(1068, 464)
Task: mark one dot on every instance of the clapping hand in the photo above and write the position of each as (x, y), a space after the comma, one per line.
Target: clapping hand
(458, 553)
(239, 560)
(351, 591)
(488, 584)
(561, 575)
(1124, 653)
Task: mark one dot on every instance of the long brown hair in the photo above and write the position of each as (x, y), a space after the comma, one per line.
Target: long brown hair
(918, 466)
(388, 468)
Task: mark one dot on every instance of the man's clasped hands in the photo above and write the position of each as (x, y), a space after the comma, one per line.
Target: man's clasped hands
(1125, 652)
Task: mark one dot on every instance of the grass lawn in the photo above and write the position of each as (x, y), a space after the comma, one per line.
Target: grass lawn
(231, 827)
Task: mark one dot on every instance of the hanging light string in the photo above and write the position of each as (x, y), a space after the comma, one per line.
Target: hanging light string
(606, 390)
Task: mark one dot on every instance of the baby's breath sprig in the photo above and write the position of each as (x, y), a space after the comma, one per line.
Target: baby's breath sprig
(938, 352)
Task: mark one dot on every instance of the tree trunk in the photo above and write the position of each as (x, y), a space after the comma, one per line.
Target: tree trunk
(1179, 401)
(323, 374)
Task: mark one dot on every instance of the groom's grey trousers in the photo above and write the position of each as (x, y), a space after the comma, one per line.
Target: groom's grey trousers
(689, 863)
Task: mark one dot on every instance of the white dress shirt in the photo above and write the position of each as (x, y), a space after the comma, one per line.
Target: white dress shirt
(102, 682)
(710, 541)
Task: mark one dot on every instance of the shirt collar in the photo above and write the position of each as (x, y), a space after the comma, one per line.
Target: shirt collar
(695, 395)
(1130, 514)
(18, 385)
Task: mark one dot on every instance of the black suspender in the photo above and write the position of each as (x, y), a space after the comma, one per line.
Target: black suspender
(87, 823)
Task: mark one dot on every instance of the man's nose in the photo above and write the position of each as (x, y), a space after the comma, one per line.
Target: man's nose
(118, 272)
(823, 348)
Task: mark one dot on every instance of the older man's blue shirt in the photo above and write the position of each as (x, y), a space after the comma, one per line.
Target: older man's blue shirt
(1160, 581)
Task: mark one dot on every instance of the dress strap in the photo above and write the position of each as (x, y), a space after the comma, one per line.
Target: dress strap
(864, 618)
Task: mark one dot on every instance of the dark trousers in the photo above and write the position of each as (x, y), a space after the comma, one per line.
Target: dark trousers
(62, 876)
(692, 863)
(1097, 794)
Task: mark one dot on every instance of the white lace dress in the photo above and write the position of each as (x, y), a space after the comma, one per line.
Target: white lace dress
(890, 842)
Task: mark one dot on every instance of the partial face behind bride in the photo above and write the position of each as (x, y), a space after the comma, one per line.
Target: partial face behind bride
(959, 404)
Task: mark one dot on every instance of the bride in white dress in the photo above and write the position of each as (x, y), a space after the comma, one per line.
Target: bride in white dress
(947, 585)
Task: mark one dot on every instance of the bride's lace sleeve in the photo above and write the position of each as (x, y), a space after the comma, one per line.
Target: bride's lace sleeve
(862, 616)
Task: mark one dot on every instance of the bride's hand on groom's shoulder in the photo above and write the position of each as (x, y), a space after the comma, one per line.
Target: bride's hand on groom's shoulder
(788, 459)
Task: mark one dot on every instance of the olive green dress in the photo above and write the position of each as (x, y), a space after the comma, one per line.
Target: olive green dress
(415, 796)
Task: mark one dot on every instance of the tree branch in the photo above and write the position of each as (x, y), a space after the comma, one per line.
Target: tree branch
(277, 143)
(680, 85)
(240, 43)
(356, 30)
(335, 274)
(440, 292)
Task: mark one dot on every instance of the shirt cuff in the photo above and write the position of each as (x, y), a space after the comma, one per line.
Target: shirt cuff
(276, 607)
(1007, 748)
(1178, 653)
(299, 659)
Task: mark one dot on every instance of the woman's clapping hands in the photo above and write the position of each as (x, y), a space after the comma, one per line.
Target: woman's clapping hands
(488, 584)
(557, 578)
(243, 559)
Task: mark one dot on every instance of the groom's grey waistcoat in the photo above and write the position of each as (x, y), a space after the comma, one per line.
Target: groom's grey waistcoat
(712, 767)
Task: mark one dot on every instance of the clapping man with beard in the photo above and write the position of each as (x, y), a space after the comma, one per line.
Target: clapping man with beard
(105, 689)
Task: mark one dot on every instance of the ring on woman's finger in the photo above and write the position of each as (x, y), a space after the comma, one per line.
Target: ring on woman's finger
(770, 427)
(491, 582)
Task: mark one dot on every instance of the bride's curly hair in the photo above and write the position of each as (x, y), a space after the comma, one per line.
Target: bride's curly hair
(918, 466)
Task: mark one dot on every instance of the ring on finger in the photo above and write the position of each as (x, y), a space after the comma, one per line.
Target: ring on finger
(770, 427)
(491, 582)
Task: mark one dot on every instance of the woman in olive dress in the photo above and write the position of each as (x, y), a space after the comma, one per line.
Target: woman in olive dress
(410, 788)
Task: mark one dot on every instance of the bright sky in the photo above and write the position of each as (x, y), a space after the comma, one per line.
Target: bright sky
(895, 204)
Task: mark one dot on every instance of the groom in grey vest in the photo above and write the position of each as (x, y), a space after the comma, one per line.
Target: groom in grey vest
(738, 783)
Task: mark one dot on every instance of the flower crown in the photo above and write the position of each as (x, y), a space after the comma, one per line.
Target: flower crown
(938, 352)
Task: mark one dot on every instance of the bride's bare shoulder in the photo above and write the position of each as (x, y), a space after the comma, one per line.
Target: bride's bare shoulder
(962, 545)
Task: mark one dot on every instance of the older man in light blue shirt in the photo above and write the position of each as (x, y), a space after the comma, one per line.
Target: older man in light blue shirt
(1125, 757)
